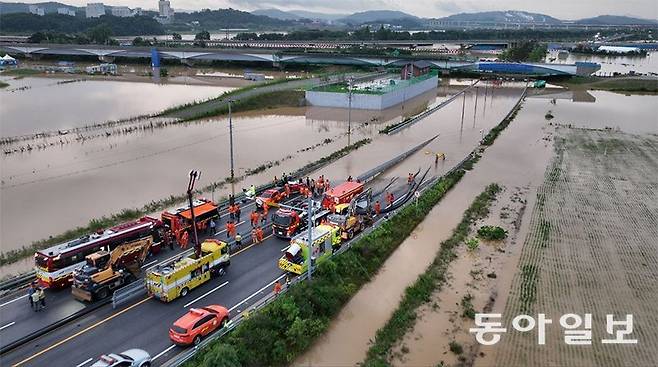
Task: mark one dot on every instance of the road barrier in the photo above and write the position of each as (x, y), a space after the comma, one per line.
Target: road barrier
(127, 293)
(422, 115)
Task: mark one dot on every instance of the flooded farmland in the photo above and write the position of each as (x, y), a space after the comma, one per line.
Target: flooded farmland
(32, 105)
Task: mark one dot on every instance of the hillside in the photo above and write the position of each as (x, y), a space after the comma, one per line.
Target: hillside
(315, 15)
(277, 14)
(509, 16)
(222, 18)
(375, 16)
(615, 20)
(22, 23)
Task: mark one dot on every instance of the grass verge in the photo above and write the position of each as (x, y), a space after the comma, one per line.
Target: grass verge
(12, 256)
(404, 317)
(284, 98)
(224, 95)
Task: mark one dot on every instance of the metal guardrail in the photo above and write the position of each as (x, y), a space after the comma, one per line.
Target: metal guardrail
(129, 292)
(12, 283)
(424, 114)
(185, 356)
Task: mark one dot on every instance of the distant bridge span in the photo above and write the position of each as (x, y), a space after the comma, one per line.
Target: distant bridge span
(108, 53)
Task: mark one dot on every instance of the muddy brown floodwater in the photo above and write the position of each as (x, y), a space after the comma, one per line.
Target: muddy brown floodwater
(32, 105)
(100, 175)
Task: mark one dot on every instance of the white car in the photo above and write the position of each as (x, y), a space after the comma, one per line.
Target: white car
(129, 358)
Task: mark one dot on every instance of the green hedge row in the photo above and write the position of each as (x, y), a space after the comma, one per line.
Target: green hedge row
(404, 317)
(284, 329)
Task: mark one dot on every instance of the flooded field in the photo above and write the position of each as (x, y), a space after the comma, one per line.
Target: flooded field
(32, 105)
(517, 160)
(591, 246)
(611, 64)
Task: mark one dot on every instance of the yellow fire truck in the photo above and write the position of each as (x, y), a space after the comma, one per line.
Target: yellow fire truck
(326, 239)
(175, 279)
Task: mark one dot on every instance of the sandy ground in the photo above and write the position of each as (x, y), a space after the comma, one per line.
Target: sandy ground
(516, 159)
(590, 249)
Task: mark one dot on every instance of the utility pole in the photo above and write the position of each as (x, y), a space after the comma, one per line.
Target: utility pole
(309, 263)
(349, 109)
(475, 112)
(194, 175)
(230, 130)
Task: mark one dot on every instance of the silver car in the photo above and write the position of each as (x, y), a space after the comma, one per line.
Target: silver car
(129, 358)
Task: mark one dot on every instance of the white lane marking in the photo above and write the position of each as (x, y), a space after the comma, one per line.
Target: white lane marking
(13, 300)
(285, 248)
(207, 293)
(8, 325)
(255, 293)
(151, 263)
(85, 362)
(162, 353)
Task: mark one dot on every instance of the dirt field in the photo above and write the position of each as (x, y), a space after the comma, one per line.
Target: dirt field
(591, 248)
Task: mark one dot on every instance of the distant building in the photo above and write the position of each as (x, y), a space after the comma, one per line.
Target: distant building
(164, 9)
(102, 69)
(137, 11)
(94, 10)
(34, 9)
(66, 11)
(414, 69)
(121, 11)
(618, 49)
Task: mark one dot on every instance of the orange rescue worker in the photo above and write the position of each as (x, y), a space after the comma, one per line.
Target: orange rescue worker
(287, 188)
(265, 209)
(184, 240)
(254, 218)
(389, 199)
(277, 288)
(230, 229)
(259, 234)
(378, 208)
(410, 179)
(231, 211)
(254, 237)
(327, 185)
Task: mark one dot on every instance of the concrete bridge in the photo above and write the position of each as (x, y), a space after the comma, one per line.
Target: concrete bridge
(191, 55)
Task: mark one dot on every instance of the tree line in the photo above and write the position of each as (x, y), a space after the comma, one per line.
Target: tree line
(25, 23)
(385, 34)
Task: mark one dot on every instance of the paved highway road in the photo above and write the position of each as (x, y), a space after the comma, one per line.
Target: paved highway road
(145, 322)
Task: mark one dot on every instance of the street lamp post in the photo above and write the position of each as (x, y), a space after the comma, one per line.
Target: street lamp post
(349, 109)
(194, 175)
(309, 263)
(230, 130)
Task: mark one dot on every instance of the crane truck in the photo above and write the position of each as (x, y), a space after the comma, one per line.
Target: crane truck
(106, 271)
(289, 220)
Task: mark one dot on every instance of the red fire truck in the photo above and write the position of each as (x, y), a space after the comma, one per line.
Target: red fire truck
(180, 220)
(55, 265)
(287, 221)
(341, 194)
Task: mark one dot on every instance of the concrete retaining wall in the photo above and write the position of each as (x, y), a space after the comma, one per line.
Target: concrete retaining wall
(370, 101)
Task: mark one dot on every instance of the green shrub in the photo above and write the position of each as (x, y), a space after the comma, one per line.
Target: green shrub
(492, 233)
(456, 348)
(472, 244)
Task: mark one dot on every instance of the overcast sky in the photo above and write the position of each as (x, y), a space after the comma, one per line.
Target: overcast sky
(563, 9)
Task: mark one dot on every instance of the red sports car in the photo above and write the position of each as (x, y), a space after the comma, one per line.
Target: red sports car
(197, 323)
